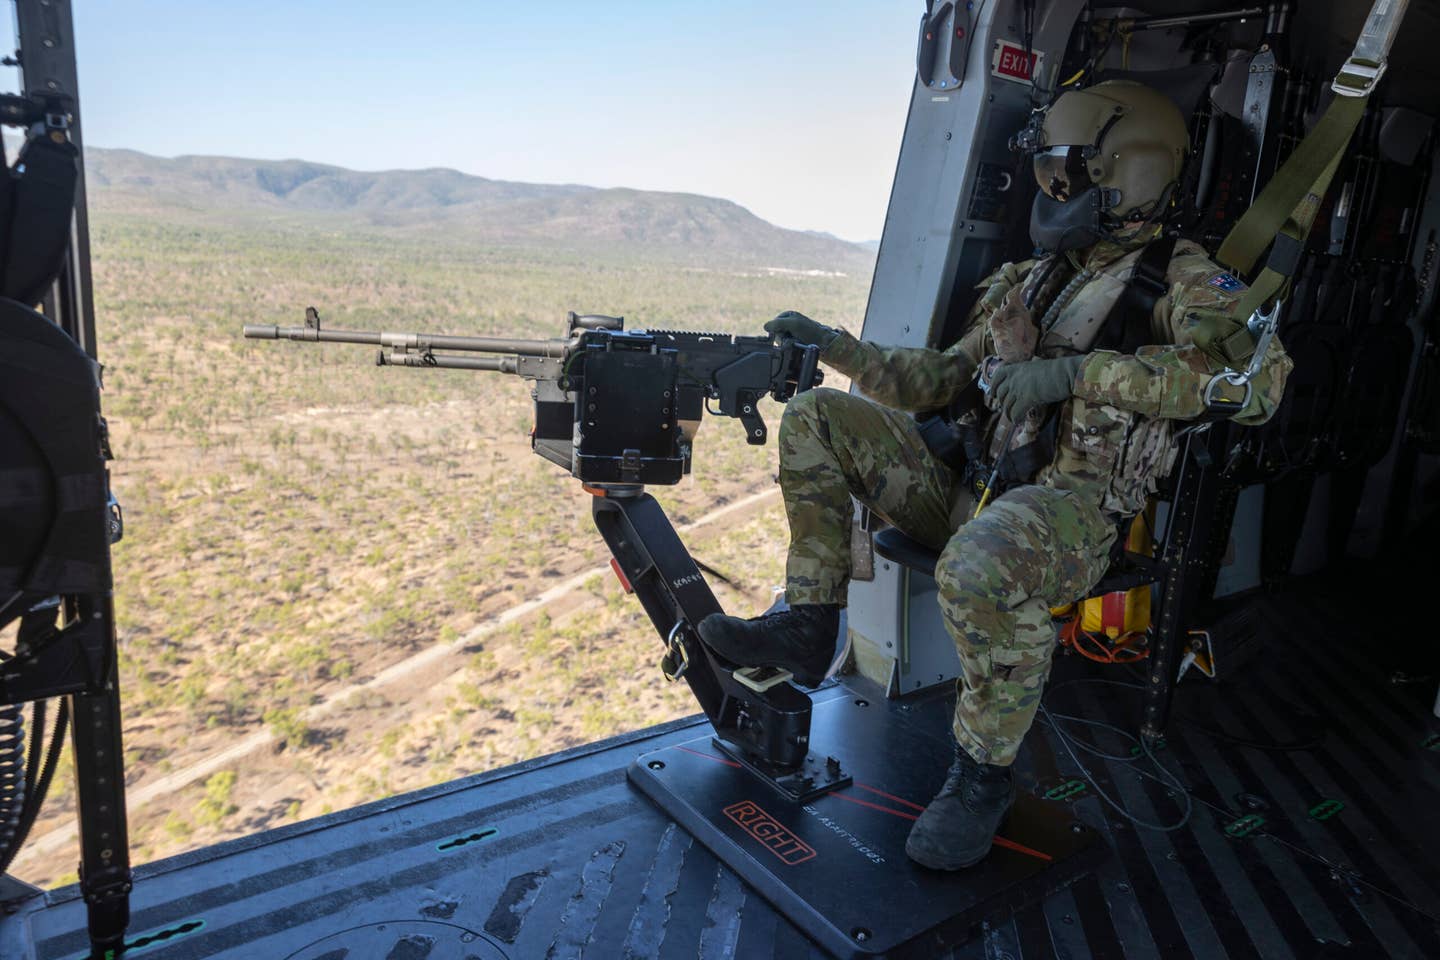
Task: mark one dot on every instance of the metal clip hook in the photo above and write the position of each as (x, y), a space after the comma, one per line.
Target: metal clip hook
(677, 659)
(1262, 326)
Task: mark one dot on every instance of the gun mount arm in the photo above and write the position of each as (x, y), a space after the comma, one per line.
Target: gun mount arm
(767, 731)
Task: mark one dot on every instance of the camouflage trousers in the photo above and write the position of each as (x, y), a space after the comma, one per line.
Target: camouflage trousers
(999, 574)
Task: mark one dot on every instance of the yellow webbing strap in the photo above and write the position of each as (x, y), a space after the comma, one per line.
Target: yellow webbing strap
(1281, 216)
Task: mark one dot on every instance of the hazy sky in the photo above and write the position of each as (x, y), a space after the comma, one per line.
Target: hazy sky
(794, 110)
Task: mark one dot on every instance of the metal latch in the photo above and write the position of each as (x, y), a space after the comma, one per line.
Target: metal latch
(116, 519)
(1262, 327)
(677, 659)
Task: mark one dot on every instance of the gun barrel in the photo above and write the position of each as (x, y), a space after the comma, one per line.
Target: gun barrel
(412, 341)
(495, 364)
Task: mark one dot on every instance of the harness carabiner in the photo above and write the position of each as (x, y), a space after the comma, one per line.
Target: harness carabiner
(677, 659)
(1262, 327)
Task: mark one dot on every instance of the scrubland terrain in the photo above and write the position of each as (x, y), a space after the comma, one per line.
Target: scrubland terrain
(299, 521)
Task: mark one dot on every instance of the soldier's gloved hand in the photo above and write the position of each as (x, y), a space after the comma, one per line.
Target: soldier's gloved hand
(802, 328)
(1020, 387)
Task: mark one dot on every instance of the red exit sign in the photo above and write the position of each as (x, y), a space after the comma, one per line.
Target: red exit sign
(1013, 63)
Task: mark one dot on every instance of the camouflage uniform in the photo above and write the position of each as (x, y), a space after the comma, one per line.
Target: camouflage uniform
(1042, 544)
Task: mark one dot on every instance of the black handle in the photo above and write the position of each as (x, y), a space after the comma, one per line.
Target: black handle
(809, 366)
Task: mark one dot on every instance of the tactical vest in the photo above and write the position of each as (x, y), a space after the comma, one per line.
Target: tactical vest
(1115, 455)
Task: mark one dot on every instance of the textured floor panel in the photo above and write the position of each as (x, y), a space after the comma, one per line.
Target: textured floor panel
(1329, 848)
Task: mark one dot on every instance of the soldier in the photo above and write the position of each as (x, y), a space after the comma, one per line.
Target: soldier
(1082, 391)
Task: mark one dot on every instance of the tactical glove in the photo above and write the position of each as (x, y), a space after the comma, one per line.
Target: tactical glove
(1017, 388)
(802, 328)
(1013, 330)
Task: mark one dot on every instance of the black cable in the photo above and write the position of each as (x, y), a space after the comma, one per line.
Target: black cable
(1269, 746)
(12, 780)
(37, 735)
(1302, 718)
(35, 797)
(1070, 743)
(1191, 799)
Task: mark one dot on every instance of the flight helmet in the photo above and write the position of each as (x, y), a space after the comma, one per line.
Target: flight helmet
(1111, 154)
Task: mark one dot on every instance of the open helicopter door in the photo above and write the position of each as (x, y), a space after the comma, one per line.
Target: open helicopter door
(834, 863)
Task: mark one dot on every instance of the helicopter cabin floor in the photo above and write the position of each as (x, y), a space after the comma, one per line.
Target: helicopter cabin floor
(1314, 775)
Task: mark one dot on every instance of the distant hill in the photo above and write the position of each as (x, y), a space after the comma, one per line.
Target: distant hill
(624, 221)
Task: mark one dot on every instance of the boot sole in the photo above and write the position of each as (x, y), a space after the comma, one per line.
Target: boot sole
(802, 677)
(947, 865)
(951, 866)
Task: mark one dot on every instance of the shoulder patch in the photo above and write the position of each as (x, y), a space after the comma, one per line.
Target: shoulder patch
(1226, 282)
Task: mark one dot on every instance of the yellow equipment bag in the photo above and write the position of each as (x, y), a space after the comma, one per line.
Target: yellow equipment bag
(1114, 627)
(1124, 611)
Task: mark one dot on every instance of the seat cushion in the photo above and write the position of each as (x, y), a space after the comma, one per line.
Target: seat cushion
(1134, 570)
(891, 544)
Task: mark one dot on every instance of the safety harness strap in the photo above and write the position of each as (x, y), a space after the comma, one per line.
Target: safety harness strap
(1281, 216)
(1127, 326)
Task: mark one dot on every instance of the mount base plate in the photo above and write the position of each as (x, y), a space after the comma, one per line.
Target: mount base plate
(817, 775)
(835, 864)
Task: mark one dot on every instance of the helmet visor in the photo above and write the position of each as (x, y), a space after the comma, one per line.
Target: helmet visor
(1062, 172)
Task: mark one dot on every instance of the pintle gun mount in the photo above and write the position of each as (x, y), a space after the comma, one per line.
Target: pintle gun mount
(619, 409)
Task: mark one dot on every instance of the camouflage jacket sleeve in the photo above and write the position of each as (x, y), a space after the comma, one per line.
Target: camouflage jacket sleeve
(1198, 335)
(907, 378)
(918, 378)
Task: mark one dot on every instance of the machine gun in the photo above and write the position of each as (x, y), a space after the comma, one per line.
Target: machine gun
(618, 409)
(611, 405)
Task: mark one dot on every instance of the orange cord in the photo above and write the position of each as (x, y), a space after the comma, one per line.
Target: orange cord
(1126, 648)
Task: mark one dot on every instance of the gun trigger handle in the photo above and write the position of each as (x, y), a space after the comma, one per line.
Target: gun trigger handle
(749, 413)
(809, 362)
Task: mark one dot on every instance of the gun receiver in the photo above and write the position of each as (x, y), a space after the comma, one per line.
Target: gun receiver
(611, 405)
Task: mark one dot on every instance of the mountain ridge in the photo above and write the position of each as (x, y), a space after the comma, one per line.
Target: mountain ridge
(571, 216)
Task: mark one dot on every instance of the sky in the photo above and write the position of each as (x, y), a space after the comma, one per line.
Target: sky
(794, 110)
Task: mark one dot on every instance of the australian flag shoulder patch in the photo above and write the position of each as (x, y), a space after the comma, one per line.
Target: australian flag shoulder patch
(1226, 282)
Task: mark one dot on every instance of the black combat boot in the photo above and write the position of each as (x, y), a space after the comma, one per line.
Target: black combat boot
(800, 639)
(958, 827)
